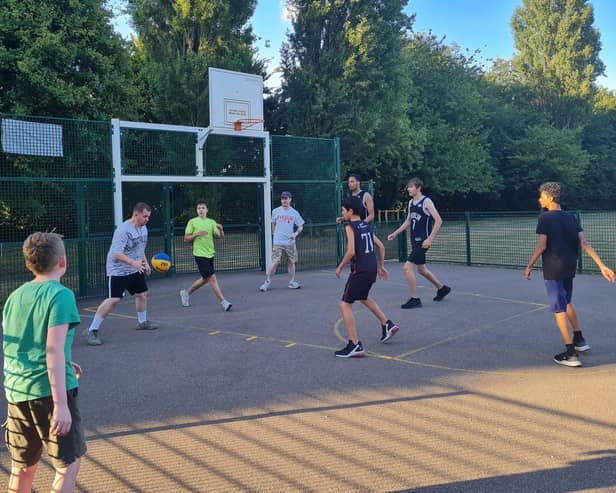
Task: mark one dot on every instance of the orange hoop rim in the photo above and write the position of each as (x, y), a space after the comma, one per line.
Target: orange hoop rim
(238, 125)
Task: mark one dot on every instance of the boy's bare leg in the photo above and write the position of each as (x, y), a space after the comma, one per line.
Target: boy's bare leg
(375, 309)
(409, 273)
(346, 309)
(572, 316)
(561, 322)
(215, 287)
(423, 270)
(21, 478)
(291, 270)
(272, 271)
(107, 306)
(64, 481)
(141, 301)
(196, 285)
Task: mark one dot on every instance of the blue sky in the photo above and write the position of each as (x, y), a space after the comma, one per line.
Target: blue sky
(471, 24)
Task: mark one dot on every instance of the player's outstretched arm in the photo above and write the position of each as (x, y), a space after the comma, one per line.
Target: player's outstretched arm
(605, 270)
(403, 227)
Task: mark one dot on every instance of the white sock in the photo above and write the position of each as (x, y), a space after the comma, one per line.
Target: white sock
(96, 323)
(142, 316)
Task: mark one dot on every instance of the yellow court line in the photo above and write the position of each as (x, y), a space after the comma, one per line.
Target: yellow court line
(92, 309)
(396, 359)
(468, 332)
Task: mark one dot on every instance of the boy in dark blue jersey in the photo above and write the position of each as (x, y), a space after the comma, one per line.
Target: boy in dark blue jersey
(364, 269)
(421, 210)
(560, 239)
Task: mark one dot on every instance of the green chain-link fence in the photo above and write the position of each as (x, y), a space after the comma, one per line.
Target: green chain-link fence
(56, 174)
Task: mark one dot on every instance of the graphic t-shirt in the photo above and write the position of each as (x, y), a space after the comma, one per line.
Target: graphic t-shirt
(559, 259)
(203, 246)
(131, 242)
(28, 313)
(285, 220)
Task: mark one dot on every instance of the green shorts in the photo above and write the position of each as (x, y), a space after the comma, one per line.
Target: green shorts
(27, 431)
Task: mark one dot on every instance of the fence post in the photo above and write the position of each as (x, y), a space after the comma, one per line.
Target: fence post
(82, 232)
(403, 251)
(467, 223)
(578, 215)
(168, 233)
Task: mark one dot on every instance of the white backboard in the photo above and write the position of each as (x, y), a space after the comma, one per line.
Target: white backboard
(234, 96)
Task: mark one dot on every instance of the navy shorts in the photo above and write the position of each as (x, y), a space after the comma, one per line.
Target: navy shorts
(206, 266)
(358, 287)
(418, 253)
(133, 283)
(559, 294)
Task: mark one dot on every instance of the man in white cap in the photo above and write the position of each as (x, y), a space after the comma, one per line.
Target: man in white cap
(284, 220)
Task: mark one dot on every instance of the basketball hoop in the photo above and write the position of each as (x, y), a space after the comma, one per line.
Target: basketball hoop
(242, 123)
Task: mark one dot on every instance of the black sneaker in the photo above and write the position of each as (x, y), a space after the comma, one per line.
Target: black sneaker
(581, 345)
(567, 359)
(412, 303)
(351, 350)
(441, 293)
(389, 330)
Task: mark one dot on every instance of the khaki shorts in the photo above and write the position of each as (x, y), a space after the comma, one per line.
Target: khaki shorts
(289, 250)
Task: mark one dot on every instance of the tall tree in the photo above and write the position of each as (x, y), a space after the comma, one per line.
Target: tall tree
(177, 40)
(62, 58)
(343, 76)
(448, 107)
(558, 54)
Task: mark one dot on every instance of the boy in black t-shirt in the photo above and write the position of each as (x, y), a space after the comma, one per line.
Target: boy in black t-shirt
(560, 238)
(364, 269)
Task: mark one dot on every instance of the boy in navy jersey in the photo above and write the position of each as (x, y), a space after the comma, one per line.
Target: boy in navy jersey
(364, 269)
(421, 209)
(560, 239)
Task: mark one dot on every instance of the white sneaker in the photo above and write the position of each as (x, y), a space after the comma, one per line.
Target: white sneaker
(294, 285)
(266, 285)
(226, 306)
(185, 297)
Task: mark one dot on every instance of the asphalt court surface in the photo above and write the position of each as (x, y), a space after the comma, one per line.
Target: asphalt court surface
(464, 398)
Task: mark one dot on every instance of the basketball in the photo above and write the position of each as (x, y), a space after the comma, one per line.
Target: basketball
(161, 262)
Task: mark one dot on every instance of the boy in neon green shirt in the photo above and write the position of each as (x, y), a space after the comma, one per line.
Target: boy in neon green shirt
(40, 380)
(200, 231)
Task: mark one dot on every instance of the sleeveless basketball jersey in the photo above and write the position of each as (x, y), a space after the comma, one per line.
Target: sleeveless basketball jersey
(364, 259)
(364, 212)
(420, 220)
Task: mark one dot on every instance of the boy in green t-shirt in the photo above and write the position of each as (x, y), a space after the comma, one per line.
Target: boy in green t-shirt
(200, 231)
(40, 380)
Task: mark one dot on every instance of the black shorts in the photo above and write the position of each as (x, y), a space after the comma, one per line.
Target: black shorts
(358, 287)
(418, 253)
(133, 283)
(206, 266)
(27, 432)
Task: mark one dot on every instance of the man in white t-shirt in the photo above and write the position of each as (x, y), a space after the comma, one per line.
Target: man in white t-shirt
(284, 220)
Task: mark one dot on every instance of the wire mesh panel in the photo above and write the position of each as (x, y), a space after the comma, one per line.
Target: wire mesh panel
(227, 155)
(237, 206)
(309, 169)
(55, 175)
(54, 147)
(157, 152)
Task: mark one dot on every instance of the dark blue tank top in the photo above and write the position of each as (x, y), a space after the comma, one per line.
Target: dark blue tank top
(364, 259)
(420, 221)
(363, 213)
